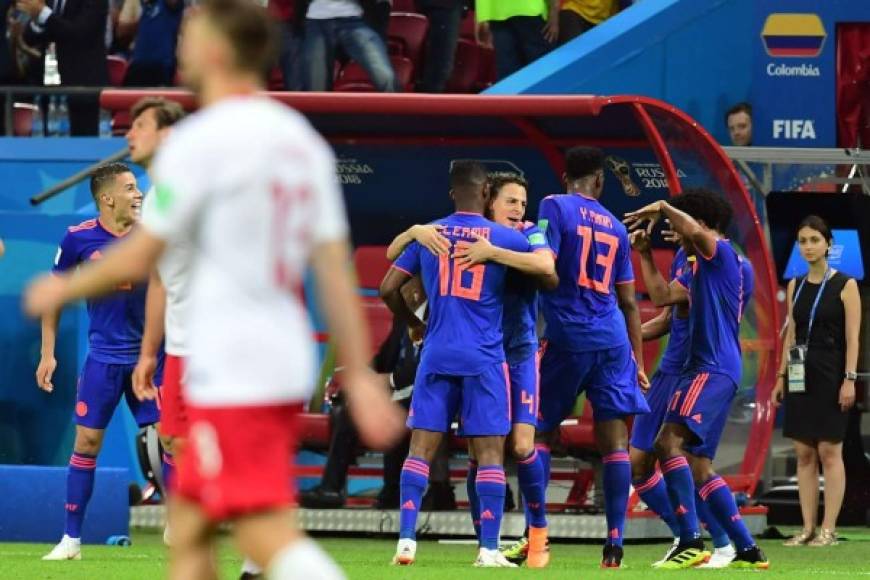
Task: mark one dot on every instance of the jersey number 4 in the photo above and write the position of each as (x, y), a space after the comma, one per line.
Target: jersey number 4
(450, 277)
(605, 260)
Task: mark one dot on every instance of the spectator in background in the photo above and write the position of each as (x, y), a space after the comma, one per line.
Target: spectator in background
(444, 17)
(333, 24)
(289, 58)
(578, 16)
(376, 14)
(78, 30)
(739, 122)
(521, 31)
(157, 23)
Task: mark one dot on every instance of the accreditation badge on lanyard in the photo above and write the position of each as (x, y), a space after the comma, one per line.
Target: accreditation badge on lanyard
(797, 355)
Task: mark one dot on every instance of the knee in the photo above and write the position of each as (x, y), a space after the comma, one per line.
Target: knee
(830, 456)
(807, 458)
(522, 449)
(88, 443)
(642, 464)
(667, 446)
(702, 471)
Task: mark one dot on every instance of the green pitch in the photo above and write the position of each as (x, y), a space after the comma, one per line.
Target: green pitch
(368, 559)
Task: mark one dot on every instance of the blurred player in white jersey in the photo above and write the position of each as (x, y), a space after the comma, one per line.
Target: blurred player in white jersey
(252, 187)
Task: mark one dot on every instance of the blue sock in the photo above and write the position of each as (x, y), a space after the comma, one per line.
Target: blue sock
(491, 491)
(79, 487)
(168, 465)
(712, 525)
(617, 481)
(473, 500)
(530, 473)
(544, 454)
(681, 490)
(412, 484)
(716, 493)
(654, 494)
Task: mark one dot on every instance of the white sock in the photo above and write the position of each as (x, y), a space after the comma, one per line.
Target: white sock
(251, 567)
(303, 559)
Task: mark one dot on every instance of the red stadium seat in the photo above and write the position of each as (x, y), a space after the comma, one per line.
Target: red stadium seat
(662, 258)
(120, 123)
(410, 30)
(314, 431)
(466, 67)
(468, 27)
(22, 119)
(354, 79)
(486, 75)
(117, 69)
(404, 6)
(276, 79)
(371, 265)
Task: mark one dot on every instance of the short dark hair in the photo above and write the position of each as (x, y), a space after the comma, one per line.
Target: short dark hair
(465, 173)
(582, 162)
(701, 204)
(742, 107)
(166, 112)
(105, 175)
(815, 222)
(726, 214)
(251, 33)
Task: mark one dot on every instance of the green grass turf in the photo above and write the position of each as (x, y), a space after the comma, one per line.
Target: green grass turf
(365, 558)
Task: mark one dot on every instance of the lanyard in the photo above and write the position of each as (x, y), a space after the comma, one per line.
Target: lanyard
(815, 302)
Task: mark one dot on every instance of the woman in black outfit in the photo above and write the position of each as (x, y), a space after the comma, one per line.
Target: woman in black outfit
(825, 317)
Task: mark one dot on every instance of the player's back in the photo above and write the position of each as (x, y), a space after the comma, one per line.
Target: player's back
(592, 257)
(465, 304)
(252, 186)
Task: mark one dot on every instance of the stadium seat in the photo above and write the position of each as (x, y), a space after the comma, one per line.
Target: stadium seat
(371, 265)
(466, 67)
(662, 258)
(410, 30)
(486, 75)
(117, 66)
(468, 27)
(22, 119)
(404, 6)
(354, 79)
(120, 123)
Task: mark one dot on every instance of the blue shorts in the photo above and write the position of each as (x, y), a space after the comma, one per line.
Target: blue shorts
(701, 403)
(608, 376)
(524, 391)
(646, 427)
(99, 391)
(481, 401)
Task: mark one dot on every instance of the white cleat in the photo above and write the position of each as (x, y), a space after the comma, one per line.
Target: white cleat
(406, 552)
(67, 549)
(668, 553)
(492, 559)
(721, 557)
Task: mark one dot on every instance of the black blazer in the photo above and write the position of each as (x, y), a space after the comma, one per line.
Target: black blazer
(79, 35)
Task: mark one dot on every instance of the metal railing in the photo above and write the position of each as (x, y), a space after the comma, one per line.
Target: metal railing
(11, 92)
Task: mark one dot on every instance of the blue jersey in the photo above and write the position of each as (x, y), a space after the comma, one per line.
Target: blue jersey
(117, 320)
(521, 305)
(677, 350)
(719, 291)
(464, 332)
(592, 256)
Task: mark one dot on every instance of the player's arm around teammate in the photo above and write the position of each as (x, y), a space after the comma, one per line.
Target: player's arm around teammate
(427, 235)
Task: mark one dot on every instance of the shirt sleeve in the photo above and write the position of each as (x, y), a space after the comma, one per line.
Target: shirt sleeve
(67, 256)
(624, 270)
(331, 220)
(549, 223)
(537, 239)
(409, 261)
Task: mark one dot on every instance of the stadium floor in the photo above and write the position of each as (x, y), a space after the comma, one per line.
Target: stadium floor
(365, 558)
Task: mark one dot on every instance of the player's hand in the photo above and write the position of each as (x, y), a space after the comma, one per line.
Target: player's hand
(847, 395)
(477, 253)
(778, 392)
(44, 372)
(551, 28)
(143, 378)
(429, 236)
(672, 237)
(642, 380)
(45, 294)
(639, 241)
(378, 420)
(651, 213)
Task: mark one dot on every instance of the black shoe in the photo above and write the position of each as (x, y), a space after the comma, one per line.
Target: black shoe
(611, 557)
(320, 498)
(752, 558)
(439, 498)
(249, 576)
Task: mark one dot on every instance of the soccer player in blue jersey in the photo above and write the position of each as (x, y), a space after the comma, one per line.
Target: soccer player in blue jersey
(115, 334)
(593, 330)
(462, 366)
(718, 291)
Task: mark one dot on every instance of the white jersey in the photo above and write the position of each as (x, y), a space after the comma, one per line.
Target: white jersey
(174, 269)
(253, 188)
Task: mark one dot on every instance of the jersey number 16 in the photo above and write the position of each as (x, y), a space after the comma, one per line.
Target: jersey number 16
(450, 277)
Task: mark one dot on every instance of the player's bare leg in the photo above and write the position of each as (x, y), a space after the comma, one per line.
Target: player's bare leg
(273, 541)
(611, 438)
(521, 443)
(191, 553)
(80, 485)
(412, 485)
(172, 446)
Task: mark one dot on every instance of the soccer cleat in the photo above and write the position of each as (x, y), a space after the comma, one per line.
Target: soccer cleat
(720, 558)
(406, 552)
(517, 552)
(611, 556)
(67, 549)
(685, 556)
(492, 559)
(753, 558)
(538, 555)
(668, 554)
